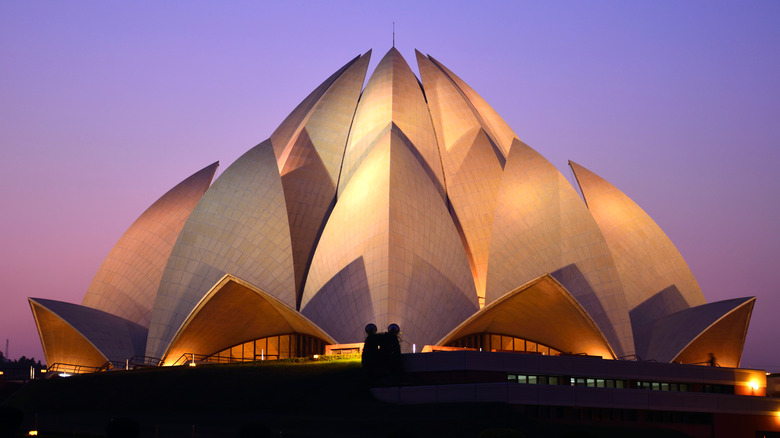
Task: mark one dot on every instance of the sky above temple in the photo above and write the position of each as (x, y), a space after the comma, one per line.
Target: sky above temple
(106, 106)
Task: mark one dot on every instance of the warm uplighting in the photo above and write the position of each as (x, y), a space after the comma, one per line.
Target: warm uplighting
(316, 356)
(754, 385)
(192, 364)
(64, 375)
(32, 433)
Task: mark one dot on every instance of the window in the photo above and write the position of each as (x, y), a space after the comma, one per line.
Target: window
(273, 347)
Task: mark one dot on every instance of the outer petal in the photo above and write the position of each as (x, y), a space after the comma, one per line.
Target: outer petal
(392, 97)
(389, 254)
(126, 283)
(239, 227)
(291, 124)
(472, 165)
(311, 162)
(326, 125)
(541, 226)
(526, 313)
(691, 335)
(233, 312)
(653, 273)
(78, 335)
(499, 131)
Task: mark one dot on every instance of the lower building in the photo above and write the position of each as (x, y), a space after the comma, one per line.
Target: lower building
(699, 401)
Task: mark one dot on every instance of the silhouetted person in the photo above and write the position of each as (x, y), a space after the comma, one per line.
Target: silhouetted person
(382, 351)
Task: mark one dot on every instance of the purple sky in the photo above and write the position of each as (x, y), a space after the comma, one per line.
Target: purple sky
(105, 106)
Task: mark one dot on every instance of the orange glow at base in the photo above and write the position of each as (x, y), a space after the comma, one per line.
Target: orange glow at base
(32, 433)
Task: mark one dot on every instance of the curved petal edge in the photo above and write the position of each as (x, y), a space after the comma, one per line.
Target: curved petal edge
(235, 311)
(526, 313)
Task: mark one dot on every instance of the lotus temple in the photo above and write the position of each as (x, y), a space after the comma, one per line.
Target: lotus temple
(411, 203)
(408, 202)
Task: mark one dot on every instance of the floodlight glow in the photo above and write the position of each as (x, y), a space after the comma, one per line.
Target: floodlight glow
(64, 375)
(32, 433)
(754, 385)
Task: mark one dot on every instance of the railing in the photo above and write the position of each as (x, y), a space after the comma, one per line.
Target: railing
(144, 362)
(194, 358)
(133, 363)
(68, 368)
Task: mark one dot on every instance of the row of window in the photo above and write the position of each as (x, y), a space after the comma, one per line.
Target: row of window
(495, 342)
(532, 379)
(271, 348)
(594, 382)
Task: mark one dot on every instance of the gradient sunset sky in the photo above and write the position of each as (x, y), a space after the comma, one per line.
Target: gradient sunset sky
(104, 106)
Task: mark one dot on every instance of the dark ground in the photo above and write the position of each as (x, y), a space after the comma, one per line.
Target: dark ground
(277, 399)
